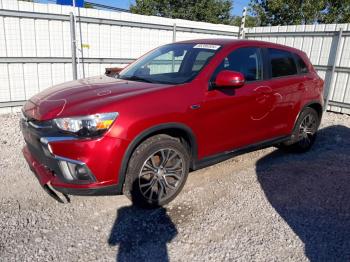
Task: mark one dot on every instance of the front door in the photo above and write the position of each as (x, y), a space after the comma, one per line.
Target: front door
(236, 117)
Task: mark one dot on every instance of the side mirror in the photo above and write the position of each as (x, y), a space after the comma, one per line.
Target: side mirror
(228, 78)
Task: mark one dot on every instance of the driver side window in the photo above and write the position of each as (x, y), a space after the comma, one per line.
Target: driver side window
(246, 60)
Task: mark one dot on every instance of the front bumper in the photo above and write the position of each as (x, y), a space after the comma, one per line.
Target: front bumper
(47, 177)
(101, 157)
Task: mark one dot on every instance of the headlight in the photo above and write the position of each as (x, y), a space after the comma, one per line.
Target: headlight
(86, 125)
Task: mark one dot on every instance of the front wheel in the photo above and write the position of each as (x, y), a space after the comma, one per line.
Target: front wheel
(157, 171)
(304, 132)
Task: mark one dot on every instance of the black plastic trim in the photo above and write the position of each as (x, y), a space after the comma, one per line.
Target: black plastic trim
(132, 146)
(312, 102)
(211, 160)
(266, 61)
(98, 191)
(37, 146)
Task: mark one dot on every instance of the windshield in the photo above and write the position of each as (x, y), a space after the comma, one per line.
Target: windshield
(170, 64)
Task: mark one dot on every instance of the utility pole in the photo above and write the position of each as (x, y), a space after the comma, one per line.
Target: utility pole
(331, 85)
(73, 46)
(241, 29)
(81, 45)
(174, 40)
(74, 43)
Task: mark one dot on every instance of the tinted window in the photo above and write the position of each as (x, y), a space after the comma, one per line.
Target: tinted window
(244, 60)
(302, 65)
(282, 63)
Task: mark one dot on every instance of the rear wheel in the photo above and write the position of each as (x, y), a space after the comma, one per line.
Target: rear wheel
(304, 132)
(157, 171)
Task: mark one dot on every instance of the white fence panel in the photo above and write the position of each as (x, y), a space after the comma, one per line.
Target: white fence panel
(5, 94)
(35, 52)
(39, 46)
(31, 83)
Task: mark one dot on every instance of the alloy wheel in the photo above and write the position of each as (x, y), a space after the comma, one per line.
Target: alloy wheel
(161, 175)
(307, 130)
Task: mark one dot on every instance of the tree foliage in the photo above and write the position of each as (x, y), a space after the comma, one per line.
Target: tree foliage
(212, 11)
(295, 12)
(250, 21)
(338, 11)
(88, 5)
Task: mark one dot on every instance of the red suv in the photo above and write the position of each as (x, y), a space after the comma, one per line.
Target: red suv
(180, 107)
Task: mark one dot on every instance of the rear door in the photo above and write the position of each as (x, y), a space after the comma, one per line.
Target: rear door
(286, 85)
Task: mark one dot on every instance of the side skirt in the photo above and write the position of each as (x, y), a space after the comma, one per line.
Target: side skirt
(211, 160)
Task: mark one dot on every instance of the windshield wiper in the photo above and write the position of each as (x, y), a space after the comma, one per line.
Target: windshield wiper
(136, 78)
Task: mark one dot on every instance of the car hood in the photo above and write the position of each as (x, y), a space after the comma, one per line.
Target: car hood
(59, 100)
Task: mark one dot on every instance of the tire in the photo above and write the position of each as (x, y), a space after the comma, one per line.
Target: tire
(304, 132)
(157, 171)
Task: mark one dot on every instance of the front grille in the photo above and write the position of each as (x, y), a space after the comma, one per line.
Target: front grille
(41, 153)
(32, 137)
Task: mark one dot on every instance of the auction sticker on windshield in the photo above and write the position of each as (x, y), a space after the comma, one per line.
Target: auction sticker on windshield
(207, 46)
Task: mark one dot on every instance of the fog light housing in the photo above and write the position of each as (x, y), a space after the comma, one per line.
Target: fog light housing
(75, 172)
(47, 150)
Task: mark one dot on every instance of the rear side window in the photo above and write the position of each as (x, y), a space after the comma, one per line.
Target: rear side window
(282, 63)
(302, 65)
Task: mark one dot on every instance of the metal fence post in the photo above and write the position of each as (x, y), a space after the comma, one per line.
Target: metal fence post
(73, 46)
(331, 85)
(174, 40)
(174, 33)
(81, 44)
(241, 34)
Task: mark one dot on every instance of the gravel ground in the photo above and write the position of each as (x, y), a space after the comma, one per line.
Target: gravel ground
(262, 206)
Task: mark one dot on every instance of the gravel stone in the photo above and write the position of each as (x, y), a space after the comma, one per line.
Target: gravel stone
(263, 206)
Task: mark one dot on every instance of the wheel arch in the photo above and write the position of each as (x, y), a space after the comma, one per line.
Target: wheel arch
(314, 105)
(178, 130)
(317, 106)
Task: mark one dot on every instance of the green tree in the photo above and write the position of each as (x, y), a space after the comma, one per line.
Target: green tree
(337, 11)
(287, 12)
(212, 11)
(296, 12)
(88, 5)
(250, 21)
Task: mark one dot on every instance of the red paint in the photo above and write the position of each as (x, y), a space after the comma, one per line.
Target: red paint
(227, 118)
(228, 78)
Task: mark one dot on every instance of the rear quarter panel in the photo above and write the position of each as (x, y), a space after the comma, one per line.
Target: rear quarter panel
(313, 92)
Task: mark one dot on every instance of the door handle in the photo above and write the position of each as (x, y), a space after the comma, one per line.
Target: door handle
(195, 106)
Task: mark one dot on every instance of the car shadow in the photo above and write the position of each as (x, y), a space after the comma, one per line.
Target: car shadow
(311, 192)
(142, 234)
